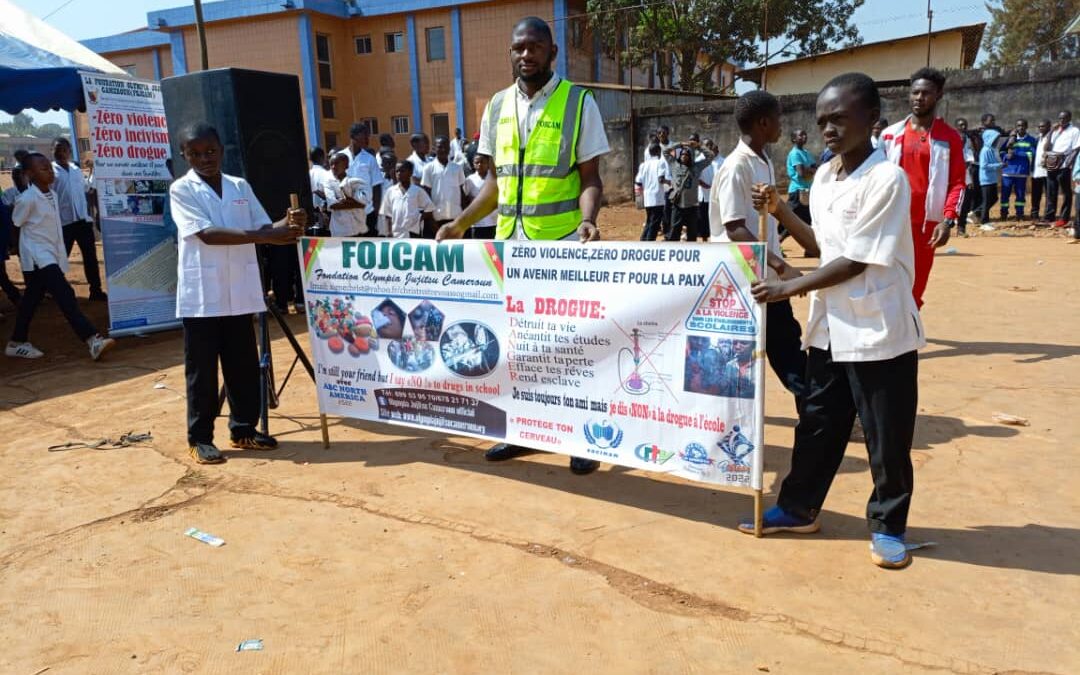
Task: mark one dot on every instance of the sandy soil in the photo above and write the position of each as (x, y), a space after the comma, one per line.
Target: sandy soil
(405, 552)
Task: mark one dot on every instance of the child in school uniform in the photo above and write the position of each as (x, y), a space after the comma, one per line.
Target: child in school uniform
(44, 262)
(347, 198)
(406, 208)
(444, 181)
(864, 330)
(653, 178)
(219, 220)
(485, 227)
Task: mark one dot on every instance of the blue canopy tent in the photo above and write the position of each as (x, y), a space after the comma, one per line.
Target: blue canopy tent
(39, 65)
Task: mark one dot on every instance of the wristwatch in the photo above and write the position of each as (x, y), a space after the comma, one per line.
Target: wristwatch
(949, 223)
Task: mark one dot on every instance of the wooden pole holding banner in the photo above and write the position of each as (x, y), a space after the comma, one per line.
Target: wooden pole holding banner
(294, 203)
(759, 378)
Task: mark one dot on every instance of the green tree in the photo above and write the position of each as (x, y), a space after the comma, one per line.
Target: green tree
(1027, 31)
(51, 130)
(21, 125)
(692, 37)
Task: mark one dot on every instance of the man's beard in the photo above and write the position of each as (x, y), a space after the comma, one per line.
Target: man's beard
(539, 77)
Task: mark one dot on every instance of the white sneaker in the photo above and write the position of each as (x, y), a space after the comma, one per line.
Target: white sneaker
(99, 345)
(23, 350)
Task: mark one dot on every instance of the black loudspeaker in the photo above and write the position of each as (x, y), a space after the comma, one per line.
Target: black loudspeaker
(261, 125)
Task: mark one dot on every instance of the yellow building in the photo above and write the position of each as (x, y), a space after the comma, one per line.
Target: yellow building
(401, 65)
(888, 62)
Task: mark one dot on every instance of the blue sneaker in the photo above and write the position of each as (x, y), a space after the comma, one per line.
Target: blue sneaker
(777, 520)
(889, 551)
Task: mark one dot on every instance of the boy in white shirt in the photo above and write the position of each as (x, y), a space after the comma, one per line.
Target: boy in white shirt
(71, 188)
(444, 181)
(219, 220)
(486, 226)
(864, 329)
(44, 262)
(406, 208)
(318, 174)
(420, 156)
(653, 179)
(346, 197)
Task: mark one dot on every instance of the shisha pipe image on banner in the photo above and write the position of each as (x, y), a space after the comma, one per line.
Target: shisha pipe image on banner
(634, 384)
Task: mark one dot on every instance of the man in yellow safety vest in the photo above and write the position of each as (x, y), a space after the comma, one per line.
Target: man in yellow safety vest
(545, 137)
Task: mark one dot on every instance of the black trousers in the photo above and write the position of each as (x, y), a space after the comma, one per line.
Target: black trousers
(283, 266)
(654, 223)
(50, 279)
(230, 339)
(783, 348)
(884, 394)
(1058, 181)
(989, 199)
(682, 217)
(1038, 186)
(10, 290)
(799, 209)
(703, 231)
(81, 232)
(966, 206)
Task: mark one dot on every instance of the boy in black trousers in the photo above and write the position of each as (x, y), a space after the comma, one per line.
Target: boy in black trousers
(219, 220)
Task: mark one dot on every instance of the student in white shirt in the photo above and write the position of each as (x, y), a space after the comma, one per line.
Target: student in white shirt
(44, 262)
(457, 149)
(705, 181)
(218, 289)
(365, 166)
(420, 156)
(1058, 158)
(653, 179)
(346, 197)
(732, 217)
(406, 207)
(486, 226)
(864, 329)
(444, 182)
(1038, 171)
(70, 189)
(318, 174)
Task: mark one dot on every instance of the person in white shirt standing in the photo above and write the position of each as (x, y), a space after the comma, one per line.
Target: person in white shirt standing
(218, 289)
(364, 165)
(420, 156)
(1038, 171)
(71, 188)
(485, 227)
(705, 181)
(864, 330)
(346, 197)
(732, 217)
(1058, 158)
(318, 174)
(457, 149)
(444, 181)
(44, 262)
(406, 208)
(653, 179)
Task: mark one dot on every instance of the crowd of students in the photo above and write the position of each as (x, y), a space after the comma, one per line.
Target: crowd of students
(361, 192)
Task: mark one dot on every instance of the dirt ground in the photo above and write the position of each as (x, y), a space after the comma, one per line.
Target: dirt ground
(398, 551)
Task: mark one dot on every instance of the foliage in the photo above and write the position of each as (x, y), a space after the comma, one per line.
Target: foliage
(692, 37)
(22, 124)
(1027, 31)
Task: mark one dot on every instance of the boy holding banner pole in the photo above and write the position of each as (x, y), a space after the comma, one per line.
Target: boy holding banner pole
(864, 329)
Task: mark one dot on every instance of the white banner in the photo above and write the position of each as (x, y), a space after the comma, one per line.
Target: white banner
(637, 354)
(130, 143)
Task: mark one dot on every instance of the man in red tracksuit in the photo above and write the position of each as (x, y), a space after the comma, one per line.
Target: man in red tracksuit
(931, 153)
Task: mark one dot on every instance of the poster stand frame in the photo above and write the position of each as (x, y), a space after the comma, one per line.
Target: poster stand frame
(759, 377)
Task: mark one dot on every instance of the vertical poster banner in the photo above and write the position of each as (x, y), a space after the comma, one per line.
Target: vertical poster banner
(633, 354)
(130, 143)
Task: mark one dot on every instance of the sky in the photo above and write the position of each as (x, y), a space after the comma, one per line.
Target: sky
(82, 19)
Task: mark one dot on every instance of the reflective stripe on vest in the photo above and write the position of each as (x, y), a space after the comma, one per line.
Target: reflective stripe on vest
(540, 185)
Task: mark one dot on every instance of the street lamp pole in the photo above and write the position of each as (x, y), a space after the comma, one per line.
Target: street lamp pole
(200, 27)
(929, 29)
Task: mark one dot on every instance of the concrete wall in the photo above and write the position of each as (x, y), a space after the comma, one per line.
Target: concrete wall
(1034, 92)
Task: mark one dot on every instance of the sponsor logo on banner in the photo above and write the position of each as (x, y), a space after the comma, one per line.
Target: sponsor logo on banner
(722, 307)
(651, 453)
(737, 450)
(696, 458)
(603, 436)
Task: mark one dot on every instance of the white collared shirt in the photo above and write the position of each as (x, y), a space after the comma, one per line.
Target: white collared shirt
(1039, 171)
(346, 222)
(402, 209)
(41, 239)
(473, 184)
(418, 164)
(318, 176)
(364, 166)
(865, 218)
(649, 176)
(216, 280)
(731, 195)
(1065, 140)
(707, 177)
(592, 139)
(445, 183)
(70, 188)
